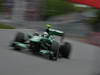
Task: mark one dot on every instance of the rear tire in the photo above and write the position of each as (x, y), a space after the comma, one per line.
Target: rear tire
(65, 50)
(55, 49)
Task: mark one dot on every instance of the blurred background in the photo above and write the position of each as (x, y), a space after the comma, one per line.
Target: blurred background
(78, 21)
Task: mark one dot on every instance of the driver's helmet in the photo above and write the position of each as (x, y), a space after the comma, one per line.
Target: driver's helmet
(45, 34)
(36, 34)
(48, 25)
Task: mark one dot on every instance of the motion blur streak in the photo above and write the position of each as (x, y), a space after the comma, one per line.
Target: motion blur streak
(94, 3)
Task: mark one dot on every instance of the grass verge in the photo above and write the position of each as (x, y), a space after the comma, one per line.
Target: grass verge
(6, 26)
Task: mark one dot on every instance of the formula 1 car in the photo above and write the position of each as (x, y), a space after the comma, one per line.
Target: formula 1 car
(43, 44)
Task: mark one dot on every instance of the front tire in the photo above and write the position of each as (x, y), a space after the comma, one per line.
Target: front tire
(17, 48)
(20, 37)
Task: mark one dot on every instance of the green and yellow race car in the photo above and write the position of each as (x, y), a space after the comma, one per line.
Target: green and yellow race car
(43, 44)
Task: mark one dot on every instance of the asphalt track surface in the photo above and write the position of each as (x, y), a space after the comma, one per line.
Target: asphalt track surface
(21, 63)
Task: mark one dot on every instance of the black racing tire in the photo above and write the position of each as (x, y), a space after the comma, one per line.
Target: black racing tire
(20, 37)
(12, 44)
(55, 49)
(17, 48)
(65, 50)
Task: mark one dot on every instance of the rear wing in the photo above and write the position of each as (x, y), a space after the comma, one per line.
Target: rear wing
(55, 32)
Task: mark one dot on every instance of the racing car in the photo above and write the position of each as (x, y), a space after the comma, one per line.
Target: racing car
(45, 44)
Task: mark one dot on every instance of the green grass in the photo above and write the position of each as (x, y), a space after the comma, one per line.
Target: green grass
(6, 26)
(57, 7)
